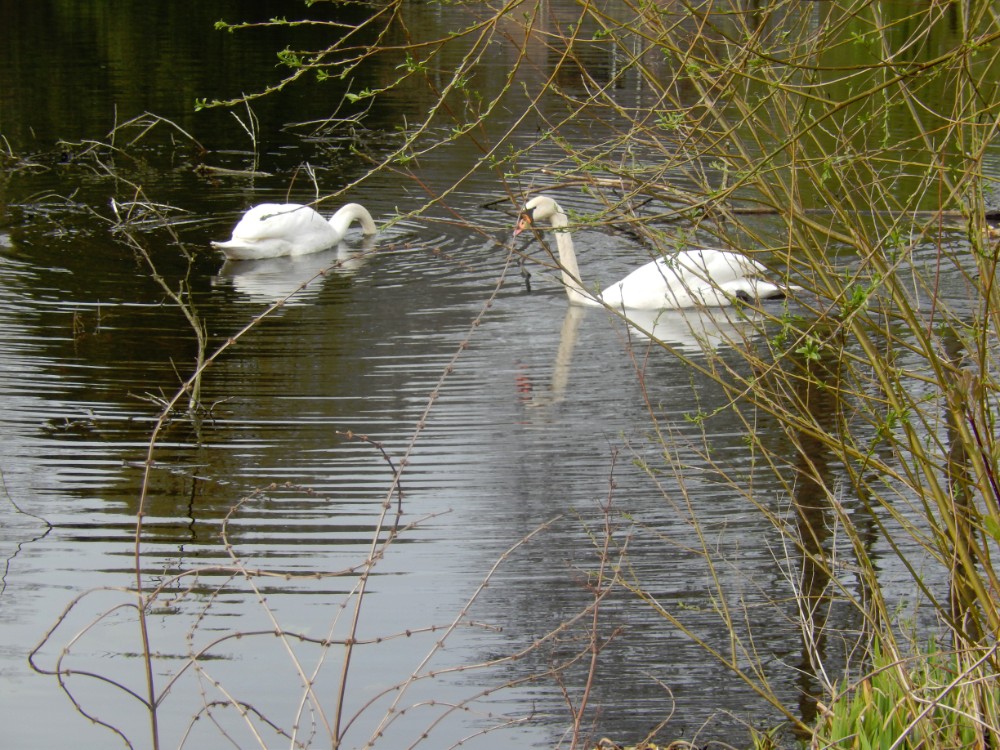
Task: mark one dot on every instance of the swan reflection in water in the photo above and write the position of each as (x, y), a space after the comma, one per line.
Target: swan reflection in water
(688, 332)
(695, 330)
(271, 279)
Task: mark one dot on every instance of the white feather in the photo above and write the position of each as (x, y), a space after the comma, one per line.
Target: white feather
(691, 278)
(272, 230)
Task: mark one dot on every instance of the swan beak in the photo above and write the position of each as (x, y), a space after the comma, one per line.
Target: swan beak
(523, 224)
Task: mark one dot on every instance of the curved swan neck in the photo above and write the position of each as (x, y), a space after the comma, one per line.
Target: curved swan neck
(567, 262)
(348, 214)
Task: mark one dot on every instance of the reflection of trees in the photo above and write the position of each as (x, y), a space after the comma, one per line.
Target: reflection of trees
(818, 396)
(165, 41)
(970, 467)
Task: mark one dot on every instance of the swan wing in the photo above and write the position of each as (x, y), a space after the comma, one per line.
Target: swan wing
(654, 286)
(718, 267)
(288, 221)
(694, 278)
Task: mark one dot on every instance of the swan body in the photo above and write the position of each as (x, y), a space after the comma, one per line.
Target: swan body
(692, 278)
(272, 230)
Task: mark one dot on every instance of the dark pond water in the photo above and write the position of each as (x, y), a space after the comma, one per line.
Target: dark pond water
(512, 412)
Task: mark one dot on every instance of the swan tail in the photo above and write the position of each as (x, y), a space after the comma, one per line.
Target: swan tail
(237, 249)
(231, 245)
(773, 291)
(769, 292)
(755, 290)
(781, 292)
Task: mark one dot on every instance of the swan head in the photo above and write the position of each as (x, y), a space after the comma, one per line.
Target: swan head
(539, 208)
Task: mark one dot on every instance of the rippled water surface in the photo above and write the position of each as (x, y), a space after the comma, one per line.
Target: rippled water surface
(516, 418)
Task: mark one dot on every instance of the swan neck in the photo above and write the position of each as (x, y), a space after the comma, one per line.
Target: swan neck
(347, 215)
(567, 262)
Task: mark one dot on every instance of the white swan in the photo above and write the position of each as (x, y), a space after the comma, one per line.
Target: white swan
(272, 230)
(692, 278)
